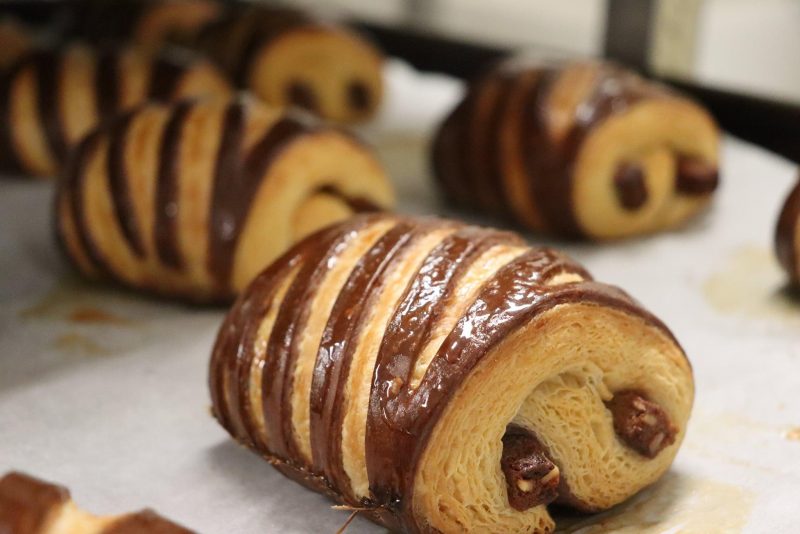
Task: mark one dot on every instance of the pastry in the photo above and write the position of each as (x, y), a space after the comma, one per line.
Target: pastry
(148, 23)
(192, 200)
(439, 377)
(787, 236)
(579, 150)
(32, 506)
(51, 98)
(286, 57)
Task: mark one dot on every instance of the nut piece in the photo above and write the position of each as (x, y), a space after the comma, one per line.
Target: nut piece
(531, 477)
(640, 423)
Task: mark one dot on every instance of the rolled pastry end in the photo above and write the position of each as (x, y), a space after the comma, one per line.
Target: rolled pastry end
(647, 169)
(787, 236)
(32, 506)
(329, 71)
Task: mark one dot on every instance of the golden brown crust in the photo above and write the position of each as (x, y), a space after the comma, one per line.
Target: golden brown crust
(578, 150)
(392, 364)
(192, 200)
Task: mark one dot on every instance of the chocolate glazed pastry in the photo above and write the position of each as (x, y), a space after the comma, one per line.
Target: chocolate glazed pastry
(32, 506)
(148, 23)
(286, 57)
(51, 98)
(579, 150)
(448, 378)
(787, 236)
(192, 200)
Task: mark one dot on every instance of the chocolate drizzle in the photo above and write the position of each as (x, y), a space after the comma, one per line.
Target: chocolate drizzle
(166, 205)
(786, 235)
(337, 346)
(236, 183)
(48, 67)
(106, 83)
(119, 183)
(165, 76)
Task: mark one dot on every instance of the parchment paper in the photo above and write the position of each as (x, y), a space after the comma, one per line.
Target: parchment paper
(105, 391)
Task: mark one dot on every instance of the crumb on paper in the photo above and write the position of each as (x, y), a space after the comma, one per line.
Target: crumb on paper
(793, 434)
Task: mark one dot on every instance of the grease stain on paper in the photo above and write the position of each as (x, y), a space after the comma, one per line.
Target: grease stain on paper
(752, 283)
(677, 503)
(76, 343)
(75, 302)
(793, 434)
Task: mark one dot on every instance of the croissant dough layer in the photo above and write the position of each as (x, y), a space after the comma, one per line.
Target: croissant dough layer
(51, 98)
(578, 150)
(449, 378)
(787, 236)
(193, 200)
(32, 506)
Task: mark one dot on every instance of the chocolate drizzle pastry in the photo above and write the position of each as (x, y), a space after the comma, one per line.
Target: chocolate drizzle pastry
(448, 378)
(787, 236)
(192, 200)
(580, 150)
(288, 57)
(50, 98)
(32, 506)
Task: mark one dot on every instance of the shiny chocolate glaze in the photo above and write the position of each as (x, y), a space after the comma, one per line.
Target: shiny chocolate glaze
(471, 175)
(786, 236)
(400, 419)
(119, 182)
(166, 206)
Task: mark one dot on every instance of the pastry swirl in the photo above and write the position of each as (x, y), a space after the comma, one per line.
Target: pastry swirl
(192, 200)
(32, 506)
(581, 150)
(287, 57)
(444, 377)
(52, 97)
(787, 236)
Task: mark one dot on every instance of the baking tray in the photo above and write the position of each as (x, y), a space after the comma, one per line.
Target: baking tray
(105, 391)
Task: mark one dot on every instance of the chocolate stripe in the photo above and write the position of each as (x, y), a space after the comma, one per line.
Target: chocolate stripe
(399, 425)
(72, 184)
(118, 183)
(446, 159)
(166, 75)
(283, 345)
(49, 66)
(235, 184)
(166, 203)
(106, 83)
(338, 344)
